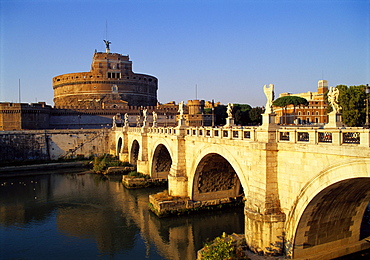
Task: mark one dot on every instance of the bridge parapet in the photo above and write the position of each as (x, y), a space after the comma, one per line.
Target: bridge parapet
(304, 135)
(236, 133)
(339, 136)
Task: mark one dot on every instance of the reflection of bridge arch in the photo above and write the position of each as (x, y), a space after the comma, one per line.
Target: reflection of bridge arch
(215, 178)
(134, 152)
(205, 160)
(329, 211)
(161, 162)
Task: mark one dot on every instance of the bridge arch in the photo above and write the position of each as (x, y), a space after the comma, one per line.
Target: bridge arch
(215, 178)
(208, 159)
(161, 161)
(134, 152)
(328, 213)
(119, 145)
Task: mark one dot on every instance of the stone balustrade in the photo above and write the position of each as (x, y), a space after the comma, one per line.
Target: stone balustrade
(348, 136)
(305, 135)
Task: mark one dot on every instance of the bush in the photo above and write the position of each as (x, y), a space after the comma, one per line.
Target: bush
(219, 248)
(138, 175)
(102, 163)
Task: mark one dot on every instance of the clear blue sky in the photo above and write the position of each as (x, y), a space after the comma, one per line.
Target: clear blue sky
(227, 48)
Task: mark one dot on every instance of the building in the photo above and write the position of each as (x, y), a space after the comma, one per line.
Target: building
(194, 114)
(18, 116)
(315, 112)
(91, 99)
(109, 82)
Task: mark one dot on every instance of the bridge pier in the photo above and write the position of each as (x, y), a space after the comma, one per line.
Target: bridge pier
(142, 166)
(264, 233)
(124, 157)
(178, 185)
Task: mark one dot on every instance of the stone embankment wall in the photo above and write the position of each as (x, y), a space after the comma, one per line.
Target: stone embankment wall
(52, 144)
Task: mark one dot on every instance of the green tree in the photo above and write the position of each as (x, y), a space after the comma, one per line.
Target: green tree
(255, 115)
(352, 101)
(241, 114)
(286, 101)
(220, 115)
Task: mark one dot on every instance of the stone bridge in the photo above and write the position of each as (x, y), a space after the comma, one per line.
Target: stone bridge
(306, 188)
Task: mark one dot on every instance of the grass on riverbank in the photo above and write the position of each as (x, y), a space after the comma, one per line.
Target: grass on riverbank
(102, 163)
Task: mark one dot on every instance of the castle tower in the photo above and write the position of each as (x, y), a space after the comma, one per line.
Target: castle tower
(195, 107)
(110, 79)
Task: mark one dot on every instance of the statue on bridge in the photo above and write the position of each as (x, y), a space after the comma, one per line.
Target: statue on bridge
(154, 119)
(126, 123)
(270, 95)
(229, 110)
(333, 98)
(181, 109)
(145, 114)
(138, 118)
(114, 122)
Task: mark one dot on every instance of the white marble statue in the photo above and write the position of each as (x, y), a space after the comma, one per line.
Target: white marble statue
(181, 109)
(155, 116)
(138, 121)
(126, 119)
(154, 119)
(333, 98)
(145, 114)
(114, 121)
(229, 110)
(270, 95)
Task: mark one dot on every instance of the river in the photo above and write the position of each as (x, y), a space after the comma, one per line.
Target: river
(87, 216)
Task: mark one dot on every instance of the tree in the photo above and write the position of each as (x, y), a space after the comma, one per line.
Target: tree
(220, 115)
(255, 115)
(241, 113)
(286, 101)
(352, 101)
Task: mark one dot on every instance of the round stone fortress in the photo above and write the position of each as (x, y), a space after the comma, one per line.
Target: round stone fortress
(110, 80)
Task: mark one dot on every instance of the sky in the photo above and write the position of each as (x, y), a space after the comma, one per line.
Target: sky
(225, 50)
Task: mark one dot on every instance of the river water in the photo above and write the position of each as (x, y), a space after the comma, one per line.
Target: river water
(87, 216)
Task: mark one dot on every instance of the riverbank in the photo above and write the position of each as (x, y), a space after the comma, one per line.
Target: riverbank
(38, 169)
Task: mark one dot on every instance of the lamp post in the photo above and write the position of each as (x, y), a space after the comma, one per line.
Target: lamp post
(367, 91)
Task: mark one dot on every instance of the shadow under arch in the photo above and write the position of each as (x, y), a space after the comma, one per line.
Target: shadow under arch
(327, 216)
(161, 163)
(134, 153)
(215, 178)
(119, 146)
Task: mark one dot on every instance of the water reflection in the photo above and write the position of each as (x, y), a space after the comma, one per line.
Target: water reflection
(85, 216)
